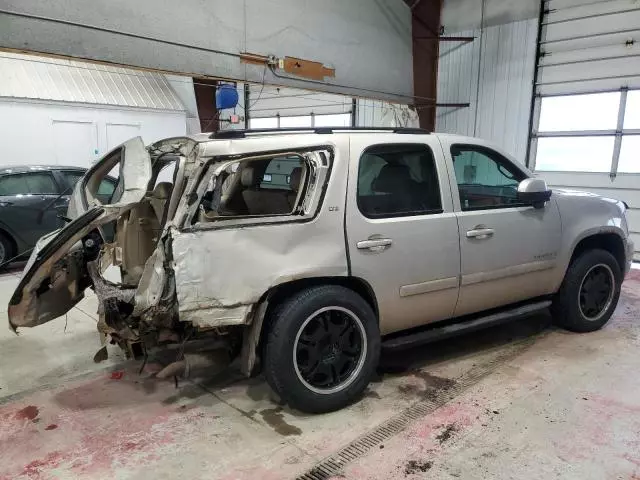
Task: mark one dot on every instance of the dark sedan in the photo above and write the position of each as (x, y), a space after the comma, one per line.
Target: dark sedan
(33, 202)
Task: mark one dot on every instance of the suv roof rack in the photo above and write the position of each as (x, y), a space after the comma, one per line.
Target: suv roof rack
(229, 134)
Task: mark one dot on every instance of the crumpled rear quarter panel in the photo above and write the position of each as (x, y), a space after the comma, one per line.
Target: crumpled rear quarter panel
(221, 273)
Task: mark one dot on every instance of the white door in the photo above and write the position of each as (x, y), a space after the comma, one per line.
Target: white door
(508, 249)
(402, 232)
(118, 133)
(75, 143)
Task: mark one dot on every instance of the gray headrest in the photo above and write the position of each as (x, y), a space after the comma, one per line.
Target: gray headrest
(294, 178)
(162, 190)
(248, 177)
(392, 178)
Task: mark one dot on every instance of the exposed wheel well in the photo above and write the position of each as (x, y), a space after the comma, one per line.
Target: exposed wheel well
(285, 290)
(610, 242)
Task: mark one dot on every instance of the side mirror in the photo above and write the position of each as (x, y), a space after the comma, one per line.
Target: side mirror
(534, 191)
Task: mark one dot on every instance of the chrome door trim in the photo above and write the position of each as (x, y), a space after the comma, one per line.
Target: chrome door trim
(430, 286)
(511, 271)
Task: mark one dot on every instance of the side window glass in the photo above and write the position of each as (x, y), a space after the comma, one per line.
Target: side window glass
(72, 178)
(13, 185)
(106, 187)
(485, 179)
(28, 183)
(42, 183)
(398, 180)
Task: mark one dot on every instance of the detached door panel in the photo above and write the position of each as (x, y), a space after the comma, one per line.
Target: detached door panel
(508, 250)
(402, 233)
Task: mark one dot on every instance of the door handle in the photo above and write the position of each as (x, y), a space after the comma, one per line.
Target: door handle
(374, 244)
(480, 232)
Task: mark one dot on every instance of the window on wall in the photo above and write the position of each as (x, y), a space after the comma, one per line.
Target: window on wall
(587, 133)
(575, 154)
(337, 120)
(579, 112)
(269, 122)
(302, 121)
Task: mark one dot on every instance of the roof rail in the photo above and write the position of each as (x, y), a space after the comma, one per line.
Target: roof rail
(230, 134)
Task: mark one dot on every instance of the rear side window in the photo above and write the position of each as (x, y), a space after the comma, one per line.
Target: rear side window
(398, 180)
(28, 183)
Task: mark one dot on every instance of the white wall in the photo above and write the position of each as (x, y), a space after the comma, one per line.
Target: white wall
(183, 88)
(70, 134)
(494, 73)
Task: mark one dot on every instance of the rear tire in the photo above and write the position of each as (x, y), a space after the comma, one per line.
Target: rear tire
(6, 250)
(589, 292)
(322, 348)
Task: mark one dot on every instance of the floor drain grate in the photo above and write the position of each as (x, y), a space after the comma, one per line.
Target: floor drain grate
(332, 466)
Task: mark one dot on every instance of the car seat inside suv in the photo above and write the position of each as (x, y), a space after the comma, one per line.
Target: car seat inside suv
(262, 201)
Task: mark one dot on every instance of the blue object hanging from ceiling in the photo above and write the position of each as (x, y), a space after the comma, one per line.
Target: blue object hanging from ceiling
(226, 96)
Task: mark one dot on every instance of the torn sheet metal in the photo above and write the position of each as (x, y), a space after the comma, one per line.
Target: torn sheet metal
(51, 283)
(221, 273)
(152, 282)
(223, 268)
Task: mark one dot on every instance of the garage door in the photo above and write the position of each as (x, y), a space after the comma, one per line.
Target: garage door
(586, 122)
(280, 107)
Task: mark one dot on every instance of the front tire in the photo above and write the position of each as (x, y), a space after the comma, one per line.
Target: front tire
(589, 292)
(322, 348)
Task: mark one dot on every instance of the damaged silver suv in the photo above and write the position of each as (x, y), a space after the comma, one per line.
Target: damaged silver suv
(305, 252)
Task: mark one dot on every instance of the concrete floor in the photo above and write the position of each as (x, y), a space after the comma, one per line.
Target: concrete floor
(524, 400)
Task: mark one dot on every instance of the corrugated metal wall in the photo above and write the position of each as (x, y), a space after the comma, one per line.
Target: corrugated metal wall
(494, 73)
(45, 78)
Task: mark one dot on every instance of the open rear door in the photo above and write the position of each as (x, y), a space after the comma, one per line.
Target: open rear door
(130, 163)
(55, 276)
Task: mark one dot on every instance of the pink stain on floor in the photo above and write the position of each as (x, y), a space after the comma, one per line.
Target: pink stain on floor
(601, 420)
(36, 468)
(27, 413)
(92, 427)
